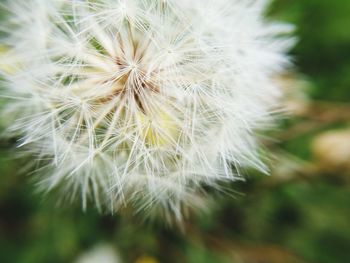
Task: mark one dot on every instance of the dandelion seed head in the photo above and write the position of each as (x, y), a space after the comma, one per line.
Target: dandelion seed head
(140, 102)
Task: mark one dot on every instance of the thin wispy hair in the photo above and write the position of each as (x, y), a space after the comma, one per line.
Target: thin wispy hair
(140, 102)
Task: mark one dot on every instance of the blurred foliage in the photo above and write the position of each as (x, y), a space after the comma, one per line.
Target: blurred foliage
(323, 51)
(299, 214)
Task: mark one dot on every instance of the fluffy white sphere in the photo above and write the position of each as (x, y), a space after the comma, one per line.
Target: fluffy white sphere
(140, 102)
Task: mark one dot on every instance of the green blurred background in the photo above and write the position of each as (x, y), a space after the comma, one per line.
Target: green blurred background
(301, 213)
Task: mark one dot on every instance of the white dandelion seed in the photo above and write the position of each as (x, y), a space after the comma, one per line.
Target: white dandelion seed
(140, 102)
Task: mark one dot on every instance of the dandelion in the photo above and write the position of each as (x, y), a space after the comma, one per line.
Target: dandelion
(140, 102)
